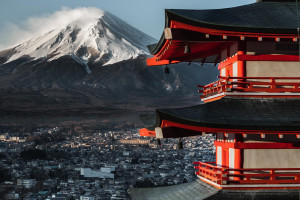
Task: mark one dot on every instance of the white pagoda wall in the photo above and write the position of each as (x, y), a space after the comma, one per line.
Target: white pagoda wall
(272, 69)
(271, 158)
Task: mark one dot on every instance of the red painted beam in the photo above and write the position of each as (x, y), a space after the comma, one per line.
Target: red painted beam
(244, 57)
(153, 62)
(258, 77)
(180, 25)
(242, 145)
(185, 34)
(268, 57)
(145, 132)
(166, 123)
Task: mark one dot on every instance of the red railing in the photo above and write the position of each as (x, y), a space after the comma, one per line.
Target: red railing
(251, 84)
(226, 176)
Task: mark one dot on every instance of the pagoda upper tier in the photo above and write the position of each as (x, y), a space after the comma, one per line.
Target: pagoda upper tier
(201, 35)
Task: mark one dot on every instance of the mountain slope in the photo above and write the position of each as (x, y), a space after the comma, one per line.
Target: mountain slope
(91, 62)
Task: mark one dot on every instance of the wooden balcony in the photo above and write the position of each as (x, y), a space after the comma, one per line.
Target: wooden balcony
(251, 86)
(241, 178)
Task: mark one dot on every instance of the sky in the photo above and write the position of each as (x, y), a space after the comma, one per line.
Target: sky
(147, 16)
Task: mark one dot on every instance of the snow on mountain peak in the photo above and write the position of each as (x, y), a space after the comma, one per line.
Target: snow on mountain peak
(87, 35)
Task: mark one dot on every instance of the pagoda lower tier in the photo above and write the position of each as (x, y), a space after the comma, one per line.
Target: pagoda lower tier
(257, 140)
(253, 162)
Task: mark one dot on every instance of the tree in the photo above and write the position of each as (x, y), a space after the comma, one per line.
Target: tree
(4, 175)
(145, 183)
(32, 154)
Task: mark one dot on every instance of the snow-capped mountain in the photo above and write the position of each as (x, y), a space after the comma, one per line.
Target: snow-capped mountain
(90, 59)
(91, 35)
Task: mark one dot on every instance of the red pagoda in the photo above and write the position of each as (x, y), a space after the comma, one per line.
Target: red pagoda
(253, 109)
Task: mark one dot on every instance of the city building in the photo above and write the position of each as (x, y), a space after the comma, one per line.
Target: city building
(103, 173)
(26, 183)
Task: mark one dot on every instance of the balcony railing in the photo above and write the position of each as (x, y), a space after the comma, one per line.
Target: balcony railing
(227, 176)
(251, 85)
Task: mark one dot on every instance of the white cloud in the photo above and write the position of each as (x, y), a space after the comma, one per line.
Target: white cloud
(14, 34)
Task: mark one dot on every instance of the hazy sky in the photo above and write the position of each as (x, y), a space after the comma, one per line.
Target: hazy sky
(148, 16)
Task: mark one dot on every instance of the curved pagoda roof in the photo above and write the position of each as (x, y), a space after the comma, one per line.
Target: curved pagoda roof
(264, 18)
(234, 115)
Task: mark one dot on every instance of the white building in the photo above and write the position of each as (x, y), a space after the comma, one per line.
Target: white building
(107, 169)
(89, 173)
(86, 198)
(26, 183)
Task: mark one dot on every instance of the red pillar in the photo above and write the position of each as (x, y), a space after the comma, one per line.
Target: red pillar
(225, 157)
(241, 66)
(241, 71)
(237, 162)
